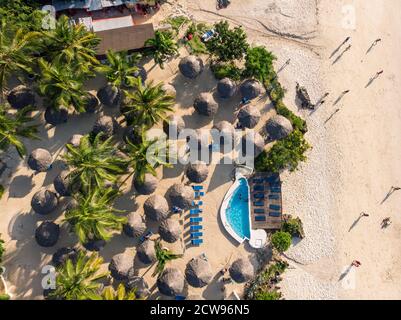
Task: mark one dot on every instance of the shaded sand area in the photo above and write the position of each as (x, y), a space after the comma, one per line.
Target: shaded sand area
(353, 163)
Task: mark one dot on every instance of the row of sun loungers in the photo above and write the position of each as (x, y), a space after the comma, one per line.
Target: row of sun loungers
(195, 219)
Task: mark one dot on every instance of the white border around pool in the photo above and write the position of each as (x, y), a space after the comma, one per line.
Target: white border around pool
(258, 237)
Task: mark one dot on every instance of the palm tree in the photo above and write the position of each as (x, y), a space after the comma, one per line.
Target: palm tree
(146, 156)
(121, 68)
(16, 46)
(13, 127)
(62, 85)
(110, 294)
(93, 162)
(93, 217)
(147, 105)
(77, 281)
(163, 256)
(71, 44)
(162, 47)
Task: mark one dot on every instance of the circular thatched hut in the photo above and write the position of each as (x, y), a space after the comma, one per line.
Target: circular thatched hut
(198, 272)
(40, 160)
(171, 282)
(169, 90)
(63, 184)
(198, 140)
(226, 130)
(147, 186)
(191, 66)
(278, 127)
(135, 225)
(181, 196)
(206, 105)
(91, 102)
(170, 230)
(106, 125)
(226, 88)
(197, 172)
(44, 201)
(249, 116)
(253, 139)
(47, 234)
(242, 270)
(156, 208)
(146, 252)
(75, 140)
(110, 96)
(251, 89)
(173, 123)
(120, 265)
(21, 97)
(63, 254)
(56, 116)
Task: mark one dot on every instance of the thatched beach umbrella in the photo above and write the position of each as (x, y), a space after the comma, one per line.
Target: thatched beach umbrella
(147, 186)
(47, 234)
(44, 201)
(199, 139)
(63, 184)
(56, 116)
(63, 254)
(21, 97)
(146, 252)
(106, 125)
(191, 66)
(253, 139)
(175, 123)
(205, 104)
(40, 160)
(120, 265)
(91, 102)
(171, 282)
(75, 140)
(226, 88)
(278, 127)
(156, 208)
(169, 90)
(133, 134)
(170, 230)
(181, 196)
(198, 272)
(242, 270)
(137, 283)
(226, 130)
(249, 116)
(110, 96)
(251, 89)
(197, 172)
(95, 244)
(135, 225)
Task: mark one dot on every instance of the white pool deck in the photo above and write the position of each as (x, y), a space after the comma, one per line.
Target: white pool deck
(258, 238)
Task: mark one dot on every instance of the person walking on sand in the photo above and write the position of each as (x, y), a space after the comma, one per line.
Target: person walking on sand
(325, 95)
(395, 189)
(386, 222)
(345, 92)
(363, 214)
(376, 41)
(379, 73)
(347, 48)
(346, 40)
(356, 263)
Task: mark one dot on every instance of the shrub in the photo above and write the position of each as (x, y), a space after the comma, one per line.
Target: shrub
(177, 22)
(228, 44)
(226, 70)
(297, 122)
(268, 295)
(259, 64)
(294, 227)
(2, 249)
(1, 191)
(285, 154)
(281, 241)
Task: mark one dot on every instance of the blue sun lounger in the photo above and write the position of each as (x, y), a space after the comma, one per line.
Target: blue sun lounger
(196, 242)
(197, 188)
(199, 203)
(195, 228)
(274, 196)
(258, 188)
(272, 180)
(274, 207)
(274, 214)
(259, 211)
(260, 218)
(199, 194)
(195, 211)
(196, 235)
(259, 196)
(258, 180)
(259, 204)
(195, 220)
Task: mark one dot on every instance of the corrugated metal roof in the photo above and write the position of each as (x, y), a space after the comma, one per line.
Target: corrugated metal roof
(91, 5)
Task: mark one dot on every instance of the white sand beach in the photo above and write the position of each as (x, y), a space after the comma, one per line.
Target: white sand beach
(350, 169)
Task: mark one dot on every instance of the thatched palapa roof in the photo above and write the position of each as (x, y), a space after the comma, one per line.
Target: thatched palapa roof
(170, 230)
(171, 282)
(198, 272)
(181, 196)
(156, 208)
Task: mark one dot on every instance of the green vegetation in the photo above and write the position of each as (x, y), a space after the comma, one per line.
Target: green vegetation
(193, 37)
(293, 226)
(22, 13)
(162, 47)
(15, 126)
(78, 281)
(146, 105)
(163, 256)
(121, 68)
(226, 70)
(94, 162)
(259, 64)
(1, 191)
(228, 44)
(285, 154)
(281, 241)
(2, 249)
(94, 217)
(268, 295)
(177, 22)
(297, 122)
(120, 294)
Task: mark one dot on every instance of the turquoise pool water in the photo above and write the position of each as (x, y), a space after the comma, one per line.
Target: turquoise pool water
(238, 210)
